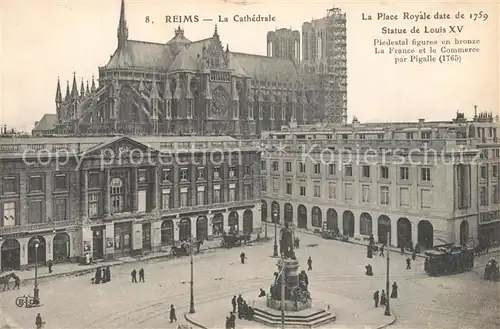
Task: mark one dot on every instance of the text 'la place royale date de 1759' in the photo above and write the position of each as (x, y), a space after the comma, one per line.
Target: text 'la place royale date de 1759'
(424, 16)
(243, 18)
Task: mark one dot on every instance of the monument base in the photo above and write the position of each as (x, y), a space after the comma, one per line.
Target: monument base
(313, 316)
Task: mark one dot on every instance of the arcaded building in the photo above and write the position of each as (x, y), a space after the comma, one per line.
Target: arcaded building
(426, 182)
(118, 196)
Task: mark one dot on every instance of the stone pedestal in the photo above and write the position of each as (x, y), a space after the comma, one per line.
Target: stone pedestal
(297, 312)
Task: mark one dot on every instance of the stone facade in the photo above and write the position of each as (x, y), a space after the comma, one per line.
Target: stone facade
(435, 182)
(116, 196)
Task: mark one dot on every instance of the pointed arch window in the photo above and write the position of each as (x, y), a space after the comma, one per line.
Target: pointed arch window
(116, 195)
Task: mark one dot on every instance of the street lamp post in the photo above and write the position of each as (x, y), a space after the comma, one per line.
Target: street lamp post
(36, 291)
(191, 296)
(275, 220)
(387, 307)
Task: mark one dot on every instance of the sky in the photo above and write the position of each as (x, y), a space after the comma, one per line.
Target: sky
(42, 40)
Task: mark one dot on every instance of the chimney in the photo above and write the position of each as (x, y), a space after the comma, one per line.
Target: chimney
(421, 120)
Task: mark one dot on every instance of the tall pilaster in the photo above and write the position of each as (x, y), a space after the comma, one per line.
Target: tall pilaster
(49, 199)
(157, 190)
(85, 194)
(107, 192)
(133, 190)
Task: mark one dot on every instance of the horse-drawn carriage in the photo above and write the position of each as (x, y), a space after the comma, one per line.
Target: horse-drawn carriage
(5, 278)
(233, 239)
(333, 235)
(491, 271)
(183, 248)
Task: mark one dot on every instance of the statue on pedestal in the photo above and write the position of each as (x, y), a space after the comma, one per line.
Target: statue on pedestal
(286, 242)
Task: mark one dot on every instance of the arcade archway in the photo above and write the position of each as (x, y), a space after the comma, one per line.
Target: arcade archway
(464, 232)
(232, 222)
(167, 232)
(332, 221)
(425, 234)
(11, 255)
(60, 248)
(404, 232)
(33, 256)
(316, 217)
(184, 229)
(275, 212)
(348, 223)
(263, 211)
(217, 225)
(201, 228)
(288, 214)
(248, 221)
(302, 216)
(384, 227)
(365, 224)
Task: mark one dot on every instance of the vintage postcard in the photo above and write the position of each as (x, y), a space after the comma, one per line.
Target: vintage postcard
(249, 164)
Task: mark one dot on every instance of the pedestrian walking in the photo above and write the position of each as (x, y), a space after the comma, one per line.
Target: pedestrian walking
(408, 263)
(376, 298)
(232, 320)
(369, 270)
(394, 293)
(243, 257)
(309, 264)
(108, 274)
(233, 303)
(38, 321)
(49, 265)
(134, 276)
(262, 293)
(97, 276)
(382, 251)
(414, 255)
(172, 314)
(17, 282)
(103, 275)
(141, 275)
(402, 249)
(383, 298)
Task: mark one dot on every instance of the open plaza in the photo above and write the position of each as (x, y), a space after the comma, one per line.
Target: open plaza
(337, 280)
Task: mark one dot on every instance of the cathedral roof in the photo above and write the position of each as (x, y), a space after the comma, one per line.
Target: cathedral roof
(161, 57)
(48, 122)
(185, 61)
(140, 54)
(267, 68)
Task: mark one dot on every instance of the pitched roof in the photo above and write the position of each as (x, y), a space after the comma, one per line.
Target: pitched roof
(185, 60)
(163, 57)
(267, 68)
(140, 54)
(48, 122)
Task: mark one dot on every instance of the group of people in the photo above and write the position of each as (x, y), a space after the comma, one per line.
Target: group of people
(102, 275)
(245, 311)
(133, 274)
(381, 299)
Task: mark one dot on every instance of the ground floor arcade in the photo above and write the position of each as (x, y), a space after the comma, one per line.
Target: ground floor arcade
(118, 238)
(360, 224)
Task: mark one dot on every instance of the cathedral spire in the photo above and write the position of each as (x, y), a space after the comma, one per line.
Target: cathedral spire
(87, 91)
(216, 34)
(66, 97)
(58, 92)
(82, 89)
(92, 88)
(122, 27)
(74, 88)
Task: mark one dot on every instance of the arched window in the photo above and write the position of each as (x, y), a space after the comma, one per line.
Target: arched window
(116, 194)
